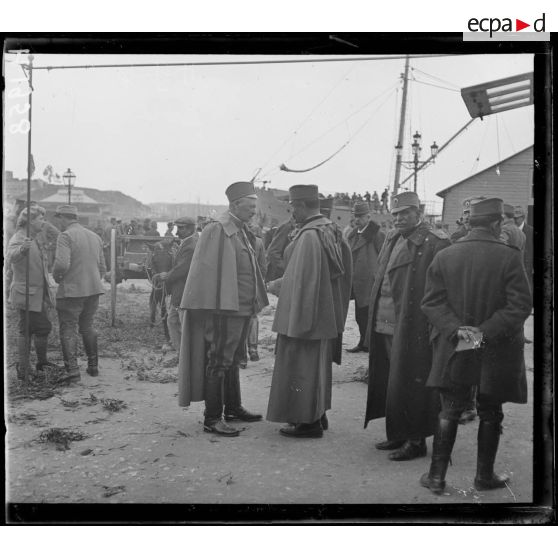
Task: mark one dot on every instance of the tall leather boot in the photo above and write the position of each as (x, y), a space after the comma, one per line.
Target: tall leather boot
(487, 446)
(41, 347)
(69, 353)
(213, 422)
(233, 404)
(23, 366)
(90, 346)
(442, 446)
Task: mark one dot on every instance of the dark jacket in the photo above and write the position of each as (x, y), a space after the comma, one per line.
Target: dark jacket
(275, 250)
(176, 278)
(479, 281)
(398, 391)
(365, 248)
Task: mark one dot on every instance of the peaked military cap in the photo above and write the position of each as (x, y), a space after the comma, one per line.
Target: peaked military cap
(240, 190)
(508, 209)
(303, 192)
(488, 206)
(67, 210)
(185, 221)
(361, 208)
(468, 201)
(404, 200)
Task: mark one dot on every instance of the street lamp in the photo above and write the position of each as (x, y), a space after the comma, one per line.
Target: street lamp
(417, 150)
(69, 181)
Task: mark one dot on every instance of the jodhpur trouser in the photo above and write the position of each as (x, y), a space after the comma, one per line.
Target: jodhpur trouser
(226, 337)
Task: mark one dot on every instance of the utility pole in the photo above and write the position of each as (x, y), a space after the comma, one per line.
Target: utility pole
(401, 128)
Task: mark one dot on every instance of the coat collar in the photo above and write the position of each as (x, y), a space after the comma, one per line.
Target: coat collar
(417, 237)
(480, 234)
(231, 225)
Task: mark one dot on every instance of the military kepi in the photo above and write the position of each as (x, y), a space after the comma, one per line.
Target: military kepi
(240, 190)
(361, 208)
(67, 210)
(467, 203)
(404, 200)
(303, 192)
(489, 206)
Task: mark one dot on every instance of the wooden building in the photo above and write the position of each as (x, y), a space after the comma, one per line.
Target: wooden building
(510, 179)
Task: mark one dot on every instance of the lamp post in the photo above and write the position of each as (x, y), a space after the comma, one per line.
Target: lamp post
(69, 181)
(416, 162)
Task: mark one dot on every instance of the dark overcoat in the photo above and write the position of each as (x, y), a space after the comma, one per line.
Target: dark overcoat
(528, 252)
(398, 390)
(365, 248)
(176, 278)
(481, 282)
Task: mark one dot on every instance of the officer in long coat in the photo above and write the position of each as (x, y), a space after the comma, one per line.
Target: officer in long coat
(400, 353)
(510, 233)
(365, 240)
(477, 295)
(313, 300)
(224, 289)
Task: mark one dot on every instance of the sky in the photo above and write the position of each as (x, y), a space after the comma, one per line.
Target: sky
(183, 134)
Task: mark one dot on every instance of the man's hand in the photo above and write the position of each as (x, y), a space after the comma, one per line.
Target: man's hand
(163, 275)
(26, 246)
(470, 334)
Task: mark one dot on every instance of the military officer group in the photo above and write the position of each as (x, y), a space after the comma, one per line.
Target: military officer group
(441, 318)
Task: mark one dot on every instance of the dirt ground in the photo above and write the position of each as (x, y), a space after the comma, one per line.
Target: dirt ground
(124, 439)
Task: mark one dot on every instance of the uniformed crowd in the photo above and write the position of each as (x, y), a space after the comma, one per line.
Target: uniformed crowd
(441, 318)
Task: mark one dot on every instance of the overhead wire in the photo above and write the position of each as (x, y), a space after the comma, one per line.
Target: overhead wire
(344, 122)
(437, 78)
(235, 62)
(477, 159)
(310, 114)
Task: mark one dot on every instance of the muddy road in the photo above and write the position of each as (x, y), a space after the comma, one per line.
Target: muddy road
(121, 437)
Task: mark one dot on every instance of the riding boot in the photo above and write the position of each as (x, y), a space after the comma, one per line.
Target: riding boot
(232, 390)
(23, 366)
(41, 345)
(488, 438)
(442, 446)
(69, 354)
(90, 346)
(213, 388)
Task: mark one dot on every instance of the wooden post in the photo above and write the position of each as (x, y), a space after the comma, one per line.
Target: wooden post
(400, 138)
(113, 276)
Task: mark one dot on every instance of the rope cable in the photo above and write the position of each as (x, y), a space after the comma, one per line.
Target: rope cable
(457, 88)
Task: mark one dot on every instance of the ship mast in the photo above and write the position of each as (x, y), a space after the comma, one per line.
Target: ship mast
(399, 145)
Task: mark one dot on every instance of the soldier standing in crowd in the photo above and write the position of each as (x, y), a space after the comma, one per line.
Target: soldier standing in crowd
(400, 352)
(253, 330)
(385, 198)
(160, 262)
(309, 320)
(47, 238)
(23, 251)
(527, 230)
(477, 296)
(511, 234)
(153, 229)
(365, 241)
(170, 229)
(175, 279)
(78, 268)
(223, 290)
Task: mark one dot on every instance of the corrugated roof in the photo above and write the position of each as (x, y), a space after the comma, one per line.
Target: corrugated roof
(443, 192)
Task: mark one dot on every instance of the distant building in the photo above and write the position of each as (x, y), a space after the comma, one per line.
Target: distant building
(90, 211)
(13, 188)
(510, 179)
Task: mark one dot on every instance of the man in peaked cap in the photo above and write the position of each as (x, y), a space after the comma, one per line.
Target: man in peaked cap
(477, 294)
(464, 228)
(313, 300)
(175, 279)
(78, 267)
(400, 353)
(223, 290)
(365, 240)
(511, 233)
